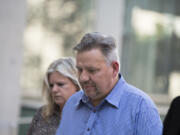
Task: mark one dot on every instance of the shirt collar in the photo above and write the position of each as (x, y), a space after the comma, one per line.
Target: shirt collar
(113, 97)
(82, 99)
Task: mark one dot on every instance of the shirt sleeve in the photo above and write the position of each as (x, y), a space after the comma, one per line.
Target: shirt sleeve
(148, 121)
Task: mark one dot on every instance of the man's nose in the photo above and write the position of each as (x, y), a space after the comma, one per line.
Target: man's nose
(83, 76)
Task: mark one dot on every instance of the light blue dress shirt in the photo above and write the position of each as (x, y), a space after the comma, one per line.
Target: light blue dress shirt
(125, 111)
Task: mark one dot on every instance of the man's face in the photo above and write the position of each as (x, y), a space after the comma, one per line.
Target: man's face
(96, 77)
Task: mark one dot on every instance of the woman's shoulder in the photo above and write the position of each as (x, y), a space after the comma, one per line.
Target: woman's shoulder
(40, 109)
(38, 113)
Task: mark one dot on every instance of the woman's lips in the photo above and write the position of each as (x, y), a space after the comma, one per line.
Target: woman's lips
(57, 97)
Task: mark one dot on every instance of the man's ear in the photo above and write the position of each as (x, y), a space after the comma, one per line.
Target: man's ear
(115, 66)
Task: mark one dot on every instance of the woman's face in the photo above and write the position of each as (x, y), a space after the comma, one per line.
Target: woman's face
(61, 88)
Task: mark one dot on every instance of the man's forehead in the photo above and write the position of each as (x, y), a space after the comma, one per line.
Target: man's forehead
(86, 67)
(92, 53)
(90, 64)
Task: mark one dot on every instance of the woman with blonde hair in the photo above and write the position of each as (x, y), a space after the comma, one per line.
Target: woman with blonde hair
(60, 83)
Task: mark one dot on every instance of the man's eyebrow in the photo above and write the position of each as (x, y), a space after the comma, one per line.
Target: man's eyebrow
(91, 67)
(78, 67)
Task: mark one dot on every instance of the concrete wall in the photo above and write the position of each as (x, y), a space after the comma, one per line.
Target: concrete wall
(12, 20)
(109, 19)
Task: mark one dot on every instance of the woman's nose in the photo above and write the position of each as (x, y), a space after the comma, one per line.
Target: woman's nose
(54, 88)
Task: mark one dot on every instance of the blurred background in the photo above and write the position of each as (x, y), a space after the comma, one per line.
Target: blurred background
(33, 33)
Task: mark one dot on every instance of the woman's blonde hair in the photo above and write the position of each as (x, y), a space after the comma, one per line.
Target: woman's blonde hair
(65, 66)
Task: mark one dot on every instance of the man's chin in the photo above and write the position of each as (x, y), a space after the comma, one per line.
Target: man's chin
(91, 95)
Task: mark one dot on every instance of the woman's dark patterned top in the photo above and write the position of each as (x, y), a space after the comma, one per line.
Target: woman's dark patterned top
(40, 126)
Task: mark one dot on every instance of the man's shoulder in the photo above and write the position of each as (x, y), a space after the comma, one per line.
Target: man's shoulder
(137, 94)
(132, 91)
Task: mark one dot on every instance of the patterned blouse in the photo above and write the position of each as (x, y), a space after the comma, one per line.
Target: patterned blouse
(40, 126)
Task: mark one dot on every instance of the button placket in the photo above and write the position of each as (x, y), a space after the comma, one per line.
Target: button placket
(91, 121)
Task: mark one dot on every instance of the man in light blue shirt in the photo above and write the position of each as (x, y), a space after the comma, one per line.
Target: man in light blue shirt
(107, 105)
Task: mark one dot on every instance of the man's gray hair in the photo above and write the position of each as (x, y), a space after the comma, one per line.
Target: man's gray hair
(105, 43)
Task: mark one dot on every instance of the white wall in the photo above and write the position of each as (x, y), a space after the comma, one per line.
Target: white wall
(12, 20)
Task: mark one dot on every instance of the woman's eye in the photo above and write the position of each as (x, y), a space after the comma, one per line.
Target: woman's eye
(50, 85)
(57, 84)
(60, 84)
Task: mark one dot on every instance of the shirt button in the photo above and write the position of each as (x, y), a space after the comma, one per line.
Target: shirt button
(88, 129)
